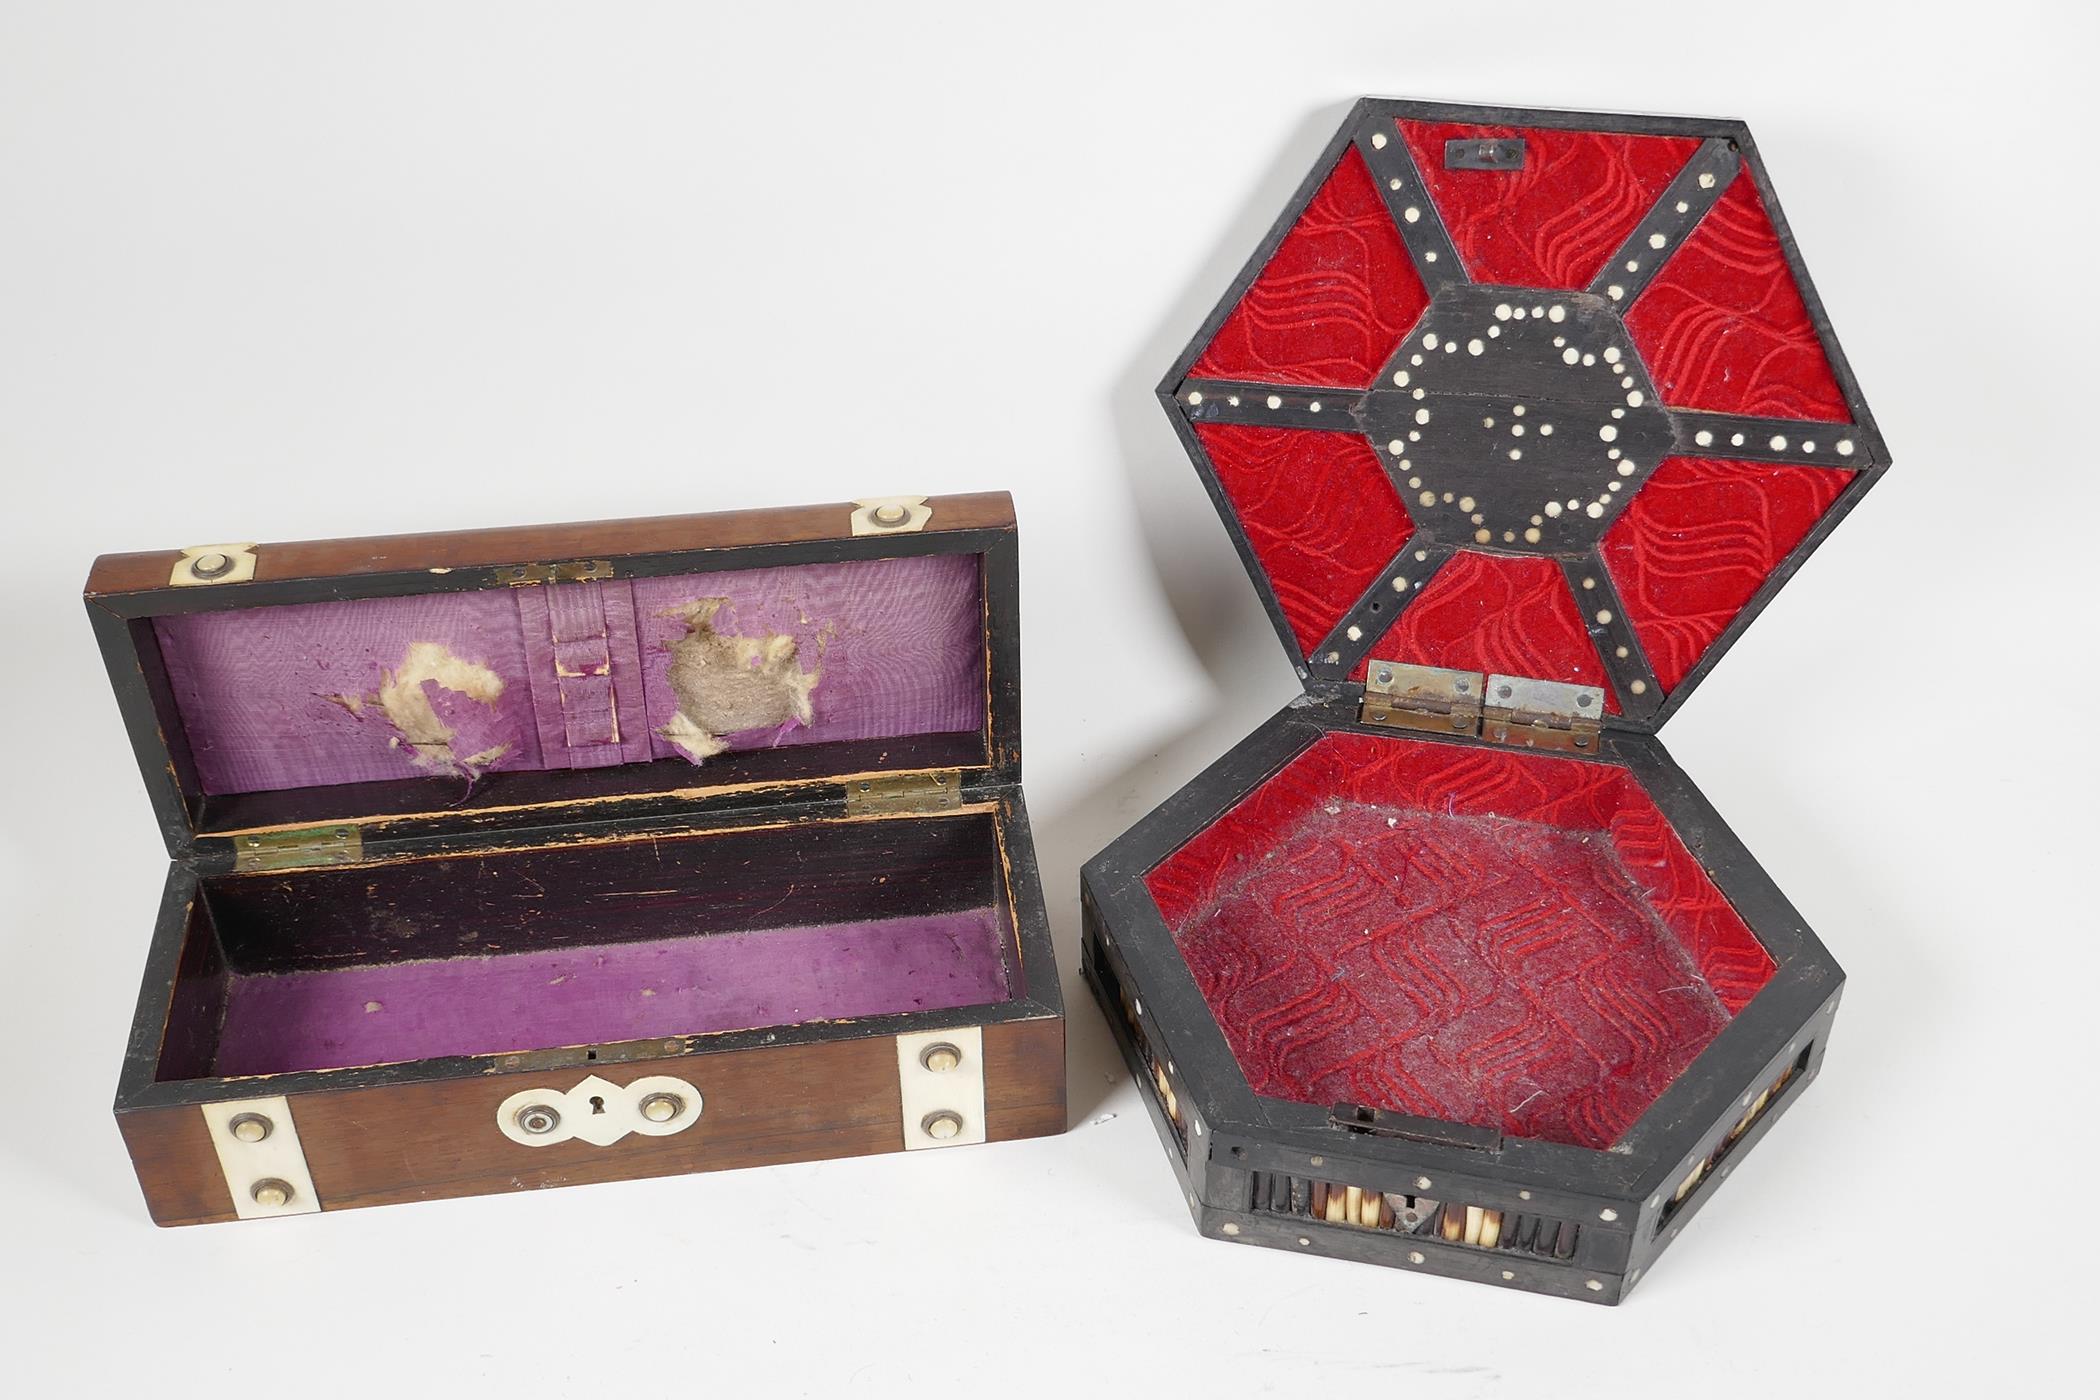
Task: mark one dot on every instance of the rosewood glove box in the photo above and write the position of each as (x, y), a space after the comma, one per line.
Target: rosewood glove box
(1517, 419)
(525, 857)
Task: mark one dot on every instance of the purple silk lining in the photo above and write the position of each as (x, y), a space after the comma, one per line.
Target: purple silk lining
(287, 697)
(385, 1014)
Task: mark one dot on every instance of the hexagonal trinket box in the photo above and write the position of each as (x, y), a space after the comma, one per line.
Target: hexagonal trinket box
(1517, 418)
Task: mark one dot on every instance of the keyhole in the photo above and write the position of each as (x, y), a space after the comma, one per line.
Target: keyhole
(597, 1104)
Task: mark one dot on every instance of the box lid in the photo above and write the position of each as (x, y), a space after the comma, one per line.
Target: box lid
(433, 684)
(1530, 393)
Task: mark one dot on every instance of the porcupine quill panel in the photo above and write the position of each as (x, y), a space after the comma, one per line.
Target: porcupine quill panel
(1331, 1203)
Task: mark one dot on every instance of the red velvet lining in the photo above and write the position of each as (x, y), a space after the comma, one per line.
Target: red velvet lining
(1723, 327)
(1697, 543)
(1494, 613)
(1333, 300)
(1554, 222)
(1481, 935)
(1320, 512)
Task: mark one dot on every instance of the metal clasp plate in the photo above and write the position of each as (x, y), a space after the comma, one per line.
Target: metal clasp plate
(574, 571)
(1484, 153)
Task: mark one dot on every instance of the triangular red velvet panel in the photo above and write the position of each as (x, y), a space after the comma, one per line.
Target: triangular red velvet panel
(1318, 510)
(1553, 223)
(1486, 612)
(1699, 541)
(1723, 328)
(1333, 300)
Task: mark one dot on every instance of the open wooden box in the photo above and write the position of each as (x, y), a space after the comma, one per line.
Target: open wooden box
(525, 857)
(1517, 418)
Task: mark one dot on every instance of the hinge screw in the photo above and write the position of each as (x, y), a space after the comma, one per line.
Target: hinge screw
(271, 1192)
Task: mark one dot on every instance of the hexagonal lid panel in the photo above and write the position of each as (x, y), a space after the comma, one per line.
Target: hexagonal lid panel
(1542, 394)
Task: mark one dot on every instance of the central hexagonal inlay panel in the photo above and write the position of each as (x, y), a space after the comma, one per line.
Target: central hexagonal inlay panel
(1517, 418)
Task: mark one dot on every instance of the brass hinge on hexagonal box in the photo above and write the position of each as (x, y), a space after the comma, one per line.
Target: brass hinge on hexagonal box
(1400, 696)
(1518, 710)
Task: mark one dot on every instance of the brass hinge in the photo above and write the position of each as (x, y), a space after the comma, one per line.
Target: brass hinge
(292, 850)
(1422, 697)
(1543, 714)
(1502, 709)
(574, 571)
(939, 791)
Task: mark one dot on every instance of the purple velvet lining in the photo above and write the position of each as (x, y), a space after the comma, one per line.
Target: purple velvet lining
(631, 991)
(257, 688)
(286, 697)
(898, 644)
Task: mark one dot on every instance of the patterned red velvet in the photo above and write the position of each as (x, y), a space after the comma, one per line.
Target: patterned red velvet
(1487, 936)
(1553, 223)
(1321, 513)
(1723, 327)
(1699, 541)
(1334, 299)
(1487, 612)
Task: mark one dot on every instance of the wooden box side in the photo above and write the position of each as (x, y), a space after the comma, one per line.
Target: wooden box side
(420, 1141)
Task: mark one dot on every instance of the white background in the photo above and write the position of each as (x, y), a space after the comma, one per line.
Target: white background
(278, 271)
